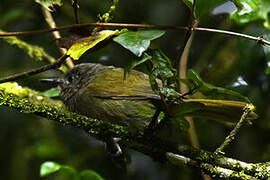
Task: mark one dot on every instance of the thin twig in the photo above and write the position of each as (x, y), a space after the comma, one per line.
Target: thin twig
(236, 129)
(56, 64)
(182, 68)
(75, 6)
(145, 26)
(210, 169)
(56, 34)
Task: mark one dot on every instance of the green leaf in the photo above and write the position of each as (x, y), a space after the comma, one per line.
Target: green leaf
(136, 61)
(49, 167)
(86, 43)
(265, 9)
(47, 149)
(189, 3)
(70, 173)
(139, 41)
(162, 69)
(194, 81)
(203, 7)
(50, 4)
(53, 92)
(90, 175)
(247, 11)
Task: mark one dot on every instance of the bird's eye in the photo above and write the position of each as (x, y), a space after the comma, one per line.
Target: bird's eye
(71, 79)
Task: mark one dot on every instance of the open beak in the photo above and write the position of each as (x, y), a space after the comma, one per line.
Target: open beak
(55, 81)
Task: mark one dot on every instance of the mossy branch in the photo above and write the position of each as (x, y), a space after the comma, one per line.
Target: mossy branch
(29, 101)
(33, 51)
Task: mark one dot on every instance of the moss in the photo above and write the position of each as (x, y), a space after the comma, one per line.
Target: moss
(33, 51)
(29, 101)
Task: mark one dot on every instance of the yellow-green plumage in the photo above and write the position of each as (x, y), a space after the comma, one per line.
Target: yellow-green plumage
(101, 92)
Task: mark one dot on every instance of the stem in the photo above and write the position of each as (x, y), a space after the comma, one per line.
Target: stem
(236, 129)
(145, 26)
(56, 34)
(76, 7)
(57, 63)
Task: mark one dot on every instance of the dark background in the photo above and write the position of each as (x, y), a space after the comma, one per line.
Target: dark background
(28, 140)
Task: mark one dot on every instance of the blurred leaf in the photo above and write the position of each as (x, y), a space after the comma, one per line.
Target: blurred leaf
(266, 49)
(53, 92)
(50, 4)
(136, 61)
(47, 149)
(247, 11)
(195, 83)
(265, 9)
(202, 7)
(139, 41)
(33, 51)
(90, 175)
(49, 167)
(180, 123)
(188, 3)
(69, 172)
(83, 44)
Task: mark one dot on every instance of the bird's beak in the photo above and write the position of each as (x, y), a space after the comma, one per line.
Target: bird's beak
(55, 81)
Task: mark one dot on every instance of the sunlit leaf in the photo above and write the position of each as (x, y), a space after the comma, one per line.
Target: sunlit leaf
(139, 41)
(49, 168)
(86, 43)
(247, 11)
(53, 92)
(90, 175)
(195, 82)
(265, 9)
(50, 4)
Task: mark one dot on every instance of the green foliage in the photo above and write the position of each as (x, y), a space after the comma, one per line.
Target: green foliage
(50, 4)
(163, 70)
(195, 82)
(33, 51)
(83, 44)
(202, 8)
(106, 17)
(138, 42)
(266, 49)
(90, 175)
(53, 92)
(49, 168)
(247, 11)
(137, 61)
(70, 173)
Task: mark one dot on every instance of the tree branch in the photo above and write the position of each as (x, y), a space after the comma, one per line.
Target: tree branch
(28, 101)
(260, 40)
(56, 34)
(54, 65)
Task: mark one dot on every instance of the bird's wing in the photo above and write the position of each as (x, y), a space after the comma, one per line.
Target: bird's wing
(135, 86)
